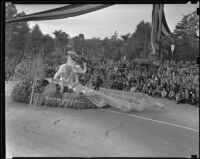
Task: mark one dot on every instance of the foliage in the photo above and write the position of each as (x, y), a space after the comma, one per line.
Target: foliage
(15, 39)
(34, 41)
(48, 46)
(187, 45)
(22, 91)
(61, 41)
(79, 43)
(29, 68)
(139, 43)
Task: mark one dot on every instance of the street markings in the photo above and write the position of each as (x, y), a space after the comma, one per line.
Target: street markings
(195, 130)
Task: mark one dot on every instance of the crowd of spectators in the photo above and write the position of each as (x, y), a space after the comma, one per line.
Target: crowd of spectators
(175, 81)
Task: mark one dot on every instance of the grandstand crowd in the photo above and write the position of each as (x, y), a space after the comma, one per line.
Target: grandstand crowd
(175, 81)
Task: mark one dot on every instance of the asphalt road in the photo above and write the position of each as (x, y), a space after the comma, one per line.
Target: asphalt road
(37, 131)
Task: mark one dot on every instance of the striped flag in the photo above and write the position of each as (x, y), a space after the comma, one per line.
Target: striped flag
(159, 26)
(69, 10)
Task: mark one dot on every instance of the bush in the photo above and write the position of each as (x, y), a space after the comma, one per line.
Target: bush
(22, 91)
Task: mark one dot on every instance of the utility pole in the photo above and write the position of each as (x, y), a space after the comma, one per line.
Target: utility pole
(172, 49)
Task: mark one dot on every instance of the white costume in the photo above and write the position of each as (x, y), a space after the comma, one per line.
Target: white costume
(68, 72)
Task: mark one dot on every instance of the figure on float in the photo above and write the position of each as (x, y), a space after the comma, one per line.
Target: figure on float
(68, 72)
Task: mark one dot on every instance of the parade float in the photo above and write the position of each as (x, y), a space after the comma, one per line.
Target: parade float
(64, 90)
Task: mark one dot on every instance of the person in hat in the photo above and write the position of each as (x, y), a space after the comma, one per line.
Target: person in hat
(69, 71)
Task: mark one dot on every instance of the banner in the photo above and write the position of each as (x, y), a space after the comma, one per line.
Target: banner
(67, 11)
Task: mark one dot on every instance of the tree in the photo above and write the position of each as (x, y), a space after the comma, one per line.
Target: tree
(61, 39)
(48, 45)
(103, 44)
(15, 37)
(139, 41)
(79, 43)
(16, 33)
(114, 36)
(11, 11)
(20, 37)
(114, 47)
(95, 47)
(187, 45)
(34, 42)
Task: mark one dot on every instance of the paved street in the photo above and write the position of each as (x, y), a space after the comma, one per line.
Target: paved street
(48, 131)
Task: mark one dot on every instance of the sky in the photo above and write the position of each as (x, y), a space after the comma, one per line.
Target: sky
(122, 18)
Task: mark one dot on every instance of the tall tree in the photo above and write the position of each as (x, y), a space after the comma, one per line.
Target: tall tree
(34, 41)
(20, 36)
(187, 45)
(114, 47)
(139, 41)
(79, 43)
(47, 45)
(62, 40)
(11, 11)
(15, 37)
(114, 36)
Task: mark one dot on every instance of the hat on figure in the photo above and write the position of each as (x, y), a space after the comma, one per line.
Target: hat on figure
(70, 62)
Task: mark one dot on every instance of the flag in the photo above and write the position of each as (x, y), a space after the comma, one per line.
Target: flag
(67, 11)
(159, 26)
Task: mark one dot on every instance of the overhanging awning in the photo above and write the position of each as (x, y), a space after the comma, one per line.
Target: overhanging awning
(67, 11)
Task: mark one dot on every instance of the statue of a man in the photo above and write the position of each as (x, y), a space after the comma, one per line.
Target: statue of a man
(69, 71)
